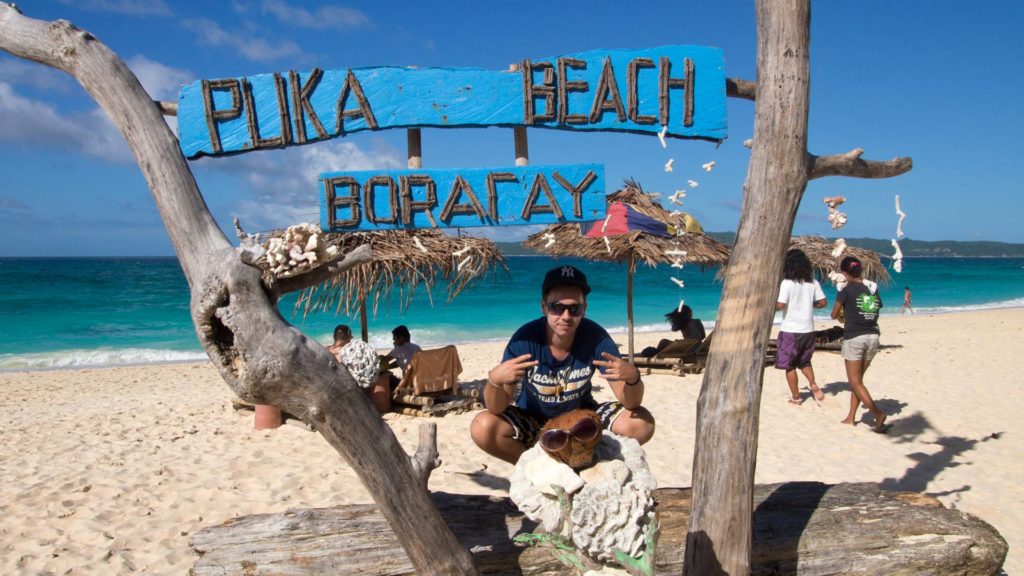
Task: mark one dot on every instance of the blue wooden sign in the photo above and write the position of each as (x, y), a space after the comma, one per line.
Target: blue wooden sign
(403, 199)
(680, 89)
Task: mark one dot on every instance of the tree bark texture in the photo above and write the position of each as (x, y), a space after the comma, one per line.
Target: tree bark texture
(262, 358)
(719, 538)
(800, 528)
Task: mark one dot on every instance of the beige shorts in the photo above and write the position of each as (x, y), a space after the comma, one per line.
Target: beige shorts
(863, 347)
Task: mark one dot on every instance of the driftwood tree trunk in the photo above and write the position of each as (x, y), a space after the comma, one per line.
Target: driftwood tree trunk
(719, 538)
(803, 528)
(262, 358)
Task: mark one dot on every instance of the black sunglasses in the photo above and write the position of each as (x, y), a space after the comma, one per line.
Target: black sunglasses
(585, 430)
(557, 308)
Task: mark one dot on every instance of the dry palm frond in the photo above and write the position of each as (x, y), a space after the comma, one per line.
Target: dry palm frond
(400, 264)
(633, 246)
(819, 252)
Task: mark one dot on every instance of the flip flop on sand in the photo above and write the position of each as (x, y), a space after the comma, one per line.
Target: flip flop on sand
(883, 429)
(796, 401)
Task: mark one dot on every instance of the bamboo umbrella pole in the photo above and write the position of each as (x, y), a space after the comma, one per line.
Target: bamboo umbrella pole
(362, 319)
(629, 306)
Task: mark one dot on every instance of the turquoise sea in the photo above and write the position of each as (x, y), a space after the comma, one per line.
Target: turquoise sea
(69, 312)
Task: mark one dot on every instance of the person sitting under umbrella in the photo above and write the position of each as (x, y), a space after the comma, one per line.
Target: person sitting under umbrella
(682, 321)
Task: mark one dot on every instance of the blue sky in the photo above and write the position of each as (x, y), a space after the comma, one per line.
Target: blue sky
(937, 81)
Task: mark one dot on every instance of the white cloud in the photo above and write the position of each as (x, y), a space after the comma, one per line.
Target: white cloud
(31, 121)
(323, 18)
(130, 7)
(282, 186)
(249, 46)
(162, 82)
(19, 72)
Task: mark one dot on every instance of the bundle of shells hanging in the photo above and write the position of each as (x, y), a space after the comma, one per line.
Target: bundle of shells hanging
(300, 249)
(597, 512)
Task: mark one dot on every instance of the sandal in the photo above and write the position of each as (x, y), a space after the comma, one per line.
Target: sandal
(796, 401)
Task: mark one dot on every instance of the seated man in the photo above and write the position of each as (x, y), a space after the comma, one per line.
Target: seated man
(364, 365)
(404, 348)
(553, 359)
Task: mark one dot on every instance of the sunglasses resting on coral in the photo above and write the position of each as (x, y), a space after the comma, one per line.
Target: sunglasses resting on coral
(585, 430)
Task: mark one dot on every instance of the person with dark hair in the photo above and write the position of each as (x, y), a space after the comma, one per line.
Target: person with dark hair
(860, 305)
(906, 302)
(799, 295)
(551, 361)
(404, 348)
(681, 320)
(363, 364)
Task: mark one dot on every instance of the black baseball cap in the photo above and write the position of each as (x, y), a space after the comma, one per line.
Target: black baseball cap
(565, 275)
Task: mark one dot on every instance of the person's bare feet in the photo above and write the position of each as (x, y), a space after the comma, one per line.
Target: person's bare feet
(880, 426)
(818, 394)
(847, 421)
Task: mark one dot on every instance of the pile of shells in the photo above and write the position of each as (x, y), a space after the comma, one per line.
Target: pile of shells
(300, 249)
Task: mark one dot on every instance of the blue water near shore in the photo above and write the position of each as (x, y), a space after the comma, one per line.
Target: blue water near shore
(70, 312)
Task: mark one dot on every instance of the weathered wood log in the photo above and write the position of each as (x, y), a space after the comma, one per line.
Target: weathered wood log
(805, 528)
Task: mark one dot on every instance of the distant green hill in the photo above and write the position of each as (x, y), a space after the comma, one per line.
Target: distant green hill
(910, 248)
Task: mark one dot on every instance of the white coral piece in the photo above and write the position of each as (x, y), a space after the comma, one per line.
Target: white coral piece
(902, 215)
(612, 510)
(840, 245)
(661, 136)
(668, 165)
(692, 183)
(709, 166)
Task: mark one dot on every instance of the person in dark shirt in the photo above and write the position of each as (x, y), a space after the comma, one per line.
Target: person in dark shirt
(552, 360)
(860, 305)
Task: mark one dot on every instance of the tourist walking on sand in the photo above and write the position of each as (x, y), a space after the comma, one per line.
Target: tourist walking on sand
(799, 295)
(906, 302)
(553, 359)
(860, 305)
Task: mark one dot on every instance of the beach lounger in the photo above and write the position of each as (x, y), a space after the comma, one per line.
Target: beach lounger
(430, 385)
(679, 357)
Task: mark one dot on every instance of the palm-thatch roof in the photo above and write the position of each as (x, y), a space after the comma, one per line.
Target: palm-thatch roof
(403, 261)
(819, 252)
(634, 246)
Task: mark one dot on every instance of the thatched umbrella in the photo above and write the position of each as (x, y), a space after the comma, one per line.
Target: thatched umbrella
(819, 252)
(634, 246)
(403, 260)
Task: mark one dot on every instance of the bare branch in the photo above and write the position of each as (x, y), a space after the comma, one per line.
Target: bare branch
(740, 88)
(168, 108)
(360, 255)
(426, 459)
(851, 164)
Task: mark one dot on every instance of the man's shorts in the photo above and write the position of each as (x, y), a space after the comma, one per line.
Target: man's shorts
(795, 350)
(527, 428)
(863, 347)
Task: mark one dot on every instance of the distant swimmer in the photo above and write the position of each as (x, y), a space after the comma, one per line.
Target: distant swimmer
(906, 301)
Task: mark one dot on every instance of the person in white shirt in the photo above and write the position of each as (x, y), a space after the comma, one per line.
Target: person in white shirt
(404, 349)
(799, 295)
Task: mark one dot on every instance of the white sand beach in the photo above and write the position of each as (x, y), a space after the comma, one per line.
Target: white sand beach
(109, 471)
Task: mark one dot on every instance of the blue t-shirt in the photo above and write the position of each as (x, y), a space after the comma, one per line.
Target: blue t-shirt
(554, 387)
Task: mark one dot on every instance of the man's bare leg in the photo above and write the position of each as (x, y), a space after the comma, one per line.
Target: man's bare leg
(494, 435)
(809, 374)
(794, 392)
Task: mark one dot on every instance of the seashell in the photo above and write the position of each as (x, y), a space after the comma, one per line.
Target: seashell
(840, 245)
(312, 243)
(749, 142)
